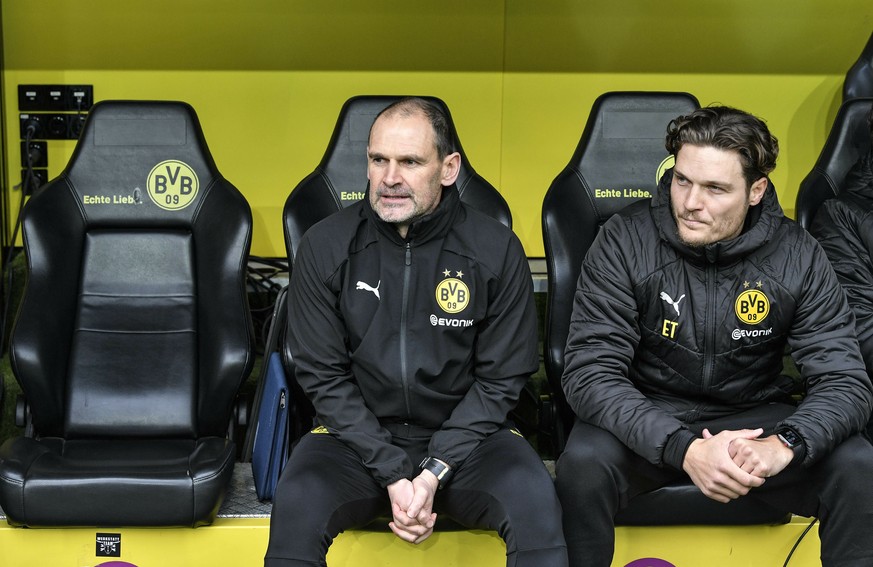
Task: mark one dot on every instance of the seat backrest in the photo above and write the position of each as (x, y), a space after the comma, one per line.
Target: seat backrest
(619, 159)
(859, 78)
(134, 320)
(848, 140)
(341, 177)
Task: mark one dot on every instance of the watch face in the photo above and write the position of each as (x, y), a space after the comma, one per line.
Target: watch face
(790, 438)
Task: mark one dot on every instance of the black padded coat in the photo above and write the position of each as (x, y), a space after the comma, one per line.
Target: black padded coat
(663, 334)
(437, 330)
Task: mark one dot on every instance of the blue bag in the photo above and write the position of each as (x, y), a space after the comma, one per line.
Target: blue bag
(271, 446)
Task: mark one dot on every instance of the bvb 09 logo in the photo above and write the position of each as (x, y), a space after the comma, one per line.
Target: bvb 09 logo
(452, 295)
(172, 185)
(752, 306)
(665, 164)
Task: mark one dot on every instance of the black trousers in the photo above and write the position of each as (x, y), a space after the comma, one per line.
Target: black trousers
(502, 486)
(597, 475)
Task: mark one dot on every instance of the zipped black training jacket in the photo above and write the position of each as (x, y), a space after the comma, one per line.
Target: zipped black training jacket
(437, 330)
(663, 334)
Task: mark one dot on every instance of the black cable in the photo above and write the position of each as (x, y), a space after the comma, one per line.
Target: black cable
(272, 266)
(26, 189)
(261, 280)
(796, 543)
(77, 121)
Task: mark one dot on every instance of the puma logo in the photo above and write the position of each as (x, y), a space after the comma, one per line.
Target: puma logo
(669, 300)
(367, 287)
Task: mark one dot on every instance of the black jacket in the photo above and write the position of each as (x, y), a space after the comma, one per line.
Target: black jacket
(844, 227)
(663, 334)
(446, 345)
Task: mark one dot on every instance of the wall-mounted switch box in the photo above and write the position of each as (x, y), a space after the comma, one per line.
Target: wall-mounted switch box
(56, 98)
(79, 97)
(31, 97)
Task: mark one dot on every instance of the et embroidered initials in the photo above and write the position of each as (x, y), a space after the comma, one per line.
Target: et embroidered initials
(669, 329)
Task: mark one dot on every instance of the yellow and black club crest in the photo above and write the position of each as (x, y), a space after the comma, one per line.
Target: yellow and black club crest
(172, 185)
(752, 305)
(452, 294)
(665, 164)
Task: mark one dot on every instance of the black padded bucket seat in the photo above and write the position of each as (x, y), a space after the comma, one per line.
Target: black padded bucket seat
(134, 333)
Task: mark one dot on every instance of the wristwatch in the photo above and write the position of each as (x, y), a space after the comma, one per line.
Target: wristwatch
(791, 440)
(440, 469)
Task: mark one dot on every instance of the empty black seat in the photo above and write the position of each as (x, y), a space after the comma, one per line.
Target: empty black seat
(134, 334)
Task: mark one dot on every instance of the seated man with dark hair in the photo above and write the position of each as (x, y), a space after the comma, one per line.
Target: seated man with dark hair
(844, 228)
(684, 307)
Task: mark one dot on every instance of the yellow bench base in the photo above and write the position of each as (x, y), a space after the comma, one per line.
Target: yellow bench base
(241, 542)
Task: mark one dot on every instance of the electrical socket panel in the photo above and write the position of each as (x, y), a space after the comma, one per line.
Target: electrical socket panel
(54, 126)
(38, 154)
(39, 178)
(53, 112)
(49, 98)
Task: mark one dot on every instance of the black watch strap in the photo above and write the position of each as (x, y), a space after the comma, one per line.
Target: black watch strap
(440, 469)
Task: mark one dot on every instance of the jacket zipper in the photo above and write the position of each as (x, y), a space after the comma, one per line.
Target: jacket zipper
(403, 328)
(709, 328)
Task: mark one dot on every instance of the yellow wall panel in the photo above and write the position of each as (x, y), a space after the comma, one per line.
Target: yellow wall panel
(302, 35)
(268, 130)
(545, 114)
(685, 36)
(268, 77)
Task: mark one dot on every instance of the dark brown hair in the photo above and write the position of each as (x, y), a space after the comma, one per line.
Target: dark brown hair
(729, 129)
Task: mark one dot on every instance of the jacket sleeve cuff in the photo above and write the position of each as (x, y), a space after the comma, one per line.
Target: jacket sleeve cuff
(676, 447)
(389, 472)
(391, 480)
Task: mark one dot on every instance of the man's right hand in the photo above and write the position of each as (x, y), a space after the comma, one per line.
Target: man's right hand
(709, 464)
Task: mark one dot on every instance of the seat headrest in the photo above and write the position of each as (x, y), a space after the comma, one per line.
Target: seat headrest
(621, 154)
(859, 78)
(848, 140)
(140, 163)
(345, 161)
(340, 179)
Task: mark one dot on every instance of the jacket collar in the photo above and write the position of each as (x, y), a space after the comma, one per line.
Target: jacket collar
(428, 227)
(761, 223)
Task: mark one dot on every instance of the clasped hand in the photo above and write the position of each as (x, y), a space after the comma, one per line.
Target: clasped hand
(728, 465)
(412, 507)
